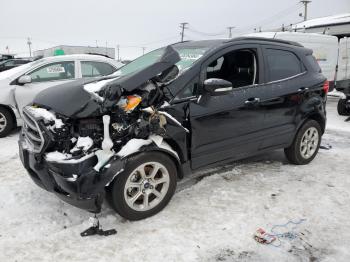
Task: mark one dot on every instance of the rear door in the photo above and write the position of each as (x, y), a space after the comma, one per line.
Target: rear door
(285, 89)
(43, 77)
(228, 126)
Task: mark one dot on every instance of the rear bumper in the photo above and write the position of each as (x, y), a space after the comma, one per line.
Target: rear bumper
(75, 183)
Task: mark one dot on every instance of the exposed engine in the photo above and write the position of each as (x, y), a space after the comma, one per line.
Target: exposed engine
(133, 115)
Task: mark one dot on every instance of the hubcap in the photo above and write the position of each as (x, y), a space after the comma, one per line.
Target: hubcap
(3, 122)
(309, 143)
(146, 186)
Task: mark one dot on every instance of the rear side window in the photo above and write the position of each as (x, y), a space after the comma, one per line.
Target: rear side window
(313, 63)
(282, 64)
(93, 69)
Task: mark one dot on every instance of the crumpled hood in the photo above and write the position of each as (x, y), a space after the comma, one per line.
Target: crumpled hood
(73, 101)
(69, 99)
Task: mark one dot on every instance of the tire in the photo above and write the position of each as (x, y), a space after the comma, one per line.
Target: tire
(310, 135)
(6, 122)
(342, 110)
(129, 189)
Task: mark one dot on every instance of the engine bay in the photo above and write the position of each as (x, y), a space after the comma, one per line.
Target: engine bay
(134, 119)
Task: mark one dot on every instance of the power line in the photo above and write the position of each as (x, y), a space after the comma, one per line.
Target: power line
(191, 29)
(277, 16)
(160, 40)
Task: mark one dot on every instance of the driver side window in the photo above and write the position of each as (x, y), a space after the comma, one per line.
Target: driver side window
(53, 72)
(238, 67)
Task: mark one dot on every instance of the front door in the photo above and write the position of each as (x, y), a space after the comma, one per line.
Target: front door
(228, 126)
(42, 78)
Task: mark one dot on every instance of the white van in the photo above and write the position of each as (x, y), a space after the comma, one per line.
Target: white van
(343, 75)
(325, 49)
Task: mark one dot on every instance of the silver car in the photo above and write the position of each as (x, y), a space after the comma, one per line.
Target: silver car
(20, 85)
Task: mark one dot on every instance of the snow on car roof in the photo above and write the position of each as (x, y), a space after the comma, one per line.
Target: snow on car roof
(77, 56)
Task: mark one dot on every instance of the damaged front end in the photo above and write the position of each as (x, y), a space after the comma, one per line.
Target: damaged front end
(76, 139)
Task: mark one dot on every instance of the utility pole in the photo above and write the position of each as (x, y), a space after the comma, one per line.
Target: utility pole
(183, 27)
(143, 50)
(305, 3)
(106, 48)
(118, 47)
(96, 43)
(29, 43)
(230, 31)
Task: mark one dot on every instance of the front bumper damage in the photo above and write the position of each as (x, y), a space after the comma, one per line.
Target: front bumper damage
(76, 183)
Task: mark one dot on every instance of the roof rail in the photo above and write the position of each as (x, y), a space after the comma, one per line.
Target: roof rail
(265, 39)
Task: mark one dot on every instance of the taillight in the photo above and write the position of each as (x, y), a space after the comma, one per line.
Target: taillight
(326, 86)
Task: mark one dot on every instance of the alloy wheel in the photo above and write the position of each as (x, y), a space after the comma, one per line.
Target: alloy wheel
(146, 186)
(309, 142)
(3, 122)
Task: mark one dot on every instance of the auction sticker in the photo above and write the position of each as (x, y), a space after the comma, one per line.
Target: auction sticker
(55, 69)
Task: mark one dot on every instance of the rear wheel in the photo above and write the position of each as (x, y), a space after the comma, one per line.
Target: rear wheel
(306, 144)
(6, 122)
(342, 110)
(145, 186)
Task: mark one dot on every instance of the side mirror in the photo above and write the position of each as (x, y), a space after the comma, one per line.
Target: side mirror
(217, 86)
(24, 79)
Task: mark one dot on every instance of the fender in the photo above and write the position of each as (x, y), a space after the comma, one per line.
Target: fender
(164, 148)
(313, 108)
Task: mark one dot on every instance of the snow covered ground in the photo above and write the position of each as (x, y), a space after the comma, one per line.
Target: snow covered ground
(211, 217)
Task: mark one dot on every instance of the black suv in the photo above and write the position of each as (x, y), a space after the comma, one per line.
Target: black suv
(186, 106)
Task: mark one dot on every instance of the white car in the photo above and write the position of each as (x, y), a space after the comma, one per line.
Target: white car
(18, 86)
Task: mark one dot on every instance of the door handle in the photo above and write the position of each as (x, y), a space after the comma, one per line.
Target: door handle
(303, 89)
(252, 101)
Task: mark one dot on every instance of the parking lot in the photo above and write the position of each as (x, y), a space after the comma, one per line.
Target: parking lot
(212, 217)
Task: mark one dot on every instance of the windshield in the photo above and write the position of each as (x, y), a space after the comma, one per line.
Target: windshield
(188, 57)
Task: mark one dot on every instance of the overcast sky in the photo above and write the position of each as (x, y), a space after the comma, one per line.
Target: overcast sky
(136, 24)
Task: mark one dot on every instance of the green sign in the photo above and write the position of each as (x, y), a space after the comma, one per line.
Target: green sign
(58, 52)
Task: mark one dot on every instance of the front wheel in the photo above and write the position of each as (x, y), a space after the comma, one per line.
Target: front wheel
(306, 144)
(145, 186)
(6, 122)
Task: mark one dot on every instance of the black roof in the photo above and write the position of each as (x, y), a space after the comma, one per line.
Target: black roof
(274, 40)
(216, 42)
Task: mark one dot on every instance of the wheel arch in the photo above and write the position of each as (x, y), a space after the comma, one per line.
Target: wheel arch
(319, 119)
(171, 155)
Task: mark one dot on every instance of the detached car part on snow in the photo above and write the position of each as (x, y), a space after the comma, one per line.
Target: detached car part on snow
(169, 112)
